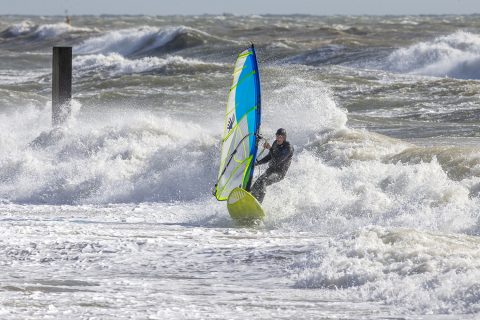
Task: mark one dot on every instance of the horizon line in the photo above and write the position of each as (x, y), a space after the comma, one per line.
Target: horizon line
(240, 15)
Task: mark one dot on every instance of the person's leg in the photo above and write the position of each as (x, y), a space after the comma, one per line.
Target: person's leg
(259, 187)
(273, 178)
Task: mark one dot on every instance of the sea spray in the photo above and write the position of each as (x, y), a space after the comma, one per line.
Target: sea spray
(456, 55)
(115, 64)
(126, 160)
(145, 40)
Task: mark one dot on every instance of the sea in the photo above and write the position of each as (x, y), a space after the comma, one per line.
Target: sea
(111, 215)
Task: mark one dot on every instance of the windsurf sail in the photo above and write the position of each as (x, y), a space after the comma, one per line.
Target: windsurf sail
(242, 125)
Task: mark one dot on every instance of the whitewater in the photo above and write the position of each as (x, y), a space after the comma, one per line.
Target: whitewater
(111, 215)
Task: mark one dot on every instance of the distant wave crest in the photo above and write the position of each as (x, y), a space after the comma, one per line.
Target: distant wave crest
(117, 64)
(456, 55)
(145, 41)
(43, 31)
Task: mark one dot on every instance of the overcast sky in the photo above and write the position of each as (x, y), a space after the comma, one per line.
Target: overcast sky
(168, 7)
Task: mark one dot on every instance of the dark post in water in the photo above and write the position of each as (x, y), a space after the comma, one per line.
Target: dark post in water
(61, 84)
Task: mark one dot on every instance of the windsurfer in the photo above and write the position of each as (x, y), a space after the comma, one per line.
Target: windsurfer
(280, 157)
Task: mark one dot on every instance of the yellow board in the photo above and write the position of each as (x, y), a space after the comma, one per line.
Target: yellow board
(242, 206)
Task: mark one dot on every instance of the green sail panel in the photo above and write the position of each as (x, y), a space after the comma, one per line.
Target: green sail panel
(242, 124)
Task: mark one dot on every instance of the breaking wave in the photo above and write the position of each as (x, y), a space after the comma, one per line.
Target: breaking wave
(140, 157)
(39, 32)
(145, 41)
(116, 64)
(456, 55)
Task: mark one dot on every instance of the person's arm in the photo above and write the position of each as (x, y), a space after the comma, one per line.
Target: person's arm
(268, 157)
(265, 159)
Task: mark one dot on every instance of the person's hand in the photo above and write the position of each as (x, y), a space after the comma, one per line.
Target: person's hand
(267, 145)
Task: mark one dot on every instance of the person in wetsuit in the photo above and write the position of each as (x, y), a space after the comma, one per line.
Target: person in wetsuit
(279, 157)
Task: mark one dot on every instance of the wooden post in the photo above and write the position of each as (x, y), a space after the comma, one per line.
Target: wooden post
(61, 84)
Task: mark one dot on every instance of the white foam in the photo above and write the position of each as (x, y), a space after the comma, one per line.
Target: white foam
(341, 178)
(279, 44)
(13, 76)
(335, 198)
(341, 27)
(303, 107)
(345, 145)
(456, 55)
(133, 40)
(23, 27)
(138, 157)
(118, 64)
(45, 31)
(52, 30)
(420, 272)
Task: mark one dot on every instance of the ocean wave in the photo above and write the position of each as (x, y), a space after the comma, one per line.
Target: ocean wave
(458, 162)
(332, 198)
(318, 56)
(343, 178)
(145, 41)
(418, 272)
(116, 64)
(18, 29)
(301, 101)
(340, 178)
(44, 31)
(335, 54)
(136, 158)
(348, 29)
(346, 178)
(344, 146)
(456, 55)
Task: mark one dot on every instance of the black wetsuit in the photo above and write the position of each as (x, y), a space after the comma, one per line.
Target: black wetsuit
(280, 157)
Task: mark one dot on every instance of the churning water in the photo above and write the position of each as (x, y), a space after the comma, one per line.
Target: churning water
(111, 216)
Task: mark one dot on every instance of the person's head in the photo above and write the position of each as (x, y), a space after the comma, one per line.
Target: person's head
(281, 135)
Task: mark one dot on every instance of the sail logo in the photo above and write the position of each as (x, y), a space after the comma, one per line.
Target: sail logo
(230, 122)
